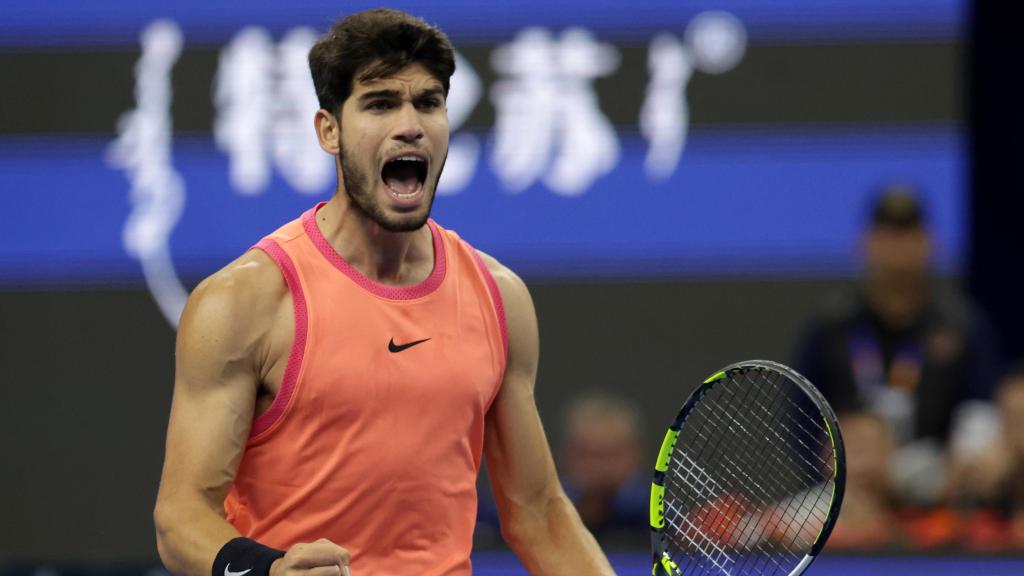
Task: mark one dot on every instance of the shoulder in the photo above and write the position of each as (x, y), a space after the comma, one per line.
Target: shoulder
(951, 307)
(520, 317)
(238, 301)
(510, 285)
(251, 282)
(514, 293)
(838, 309)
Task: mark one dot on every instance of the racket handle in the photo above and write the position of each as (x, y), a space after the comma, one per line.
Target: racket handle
(664, 566)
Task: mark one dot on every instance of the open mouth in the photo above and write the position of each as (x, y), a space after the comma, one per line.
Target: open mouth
(404, 175)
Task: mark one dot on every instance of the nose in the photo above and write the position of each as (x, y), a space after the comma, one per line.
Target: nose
(408, 128)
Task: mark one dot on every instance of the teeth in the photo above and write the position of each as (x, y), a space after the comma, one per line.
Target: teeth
(409, 158)
(406, 194)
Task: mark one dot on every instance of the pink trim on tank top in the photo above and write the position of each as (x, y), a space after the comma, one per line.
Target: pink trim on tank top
(492, 286)
(291, 371)
(420, 290)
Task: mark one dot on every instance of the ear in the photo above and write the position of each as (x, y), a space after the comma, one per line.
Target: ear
(327, 131)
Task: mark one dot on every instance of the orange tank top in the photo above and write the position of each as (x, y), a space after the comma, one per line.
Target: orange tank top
(374, 439)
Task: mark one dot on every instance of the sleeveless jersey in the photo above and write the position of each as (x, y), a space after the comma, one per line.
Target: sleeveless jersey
(374, 439)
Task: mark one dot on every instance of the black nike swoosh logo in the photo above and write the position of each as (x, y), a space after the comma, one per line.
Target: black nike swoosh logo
(392, 347)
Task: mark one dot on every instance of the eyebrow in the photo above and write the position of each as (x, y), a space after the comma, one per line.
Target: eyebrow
(428, 93)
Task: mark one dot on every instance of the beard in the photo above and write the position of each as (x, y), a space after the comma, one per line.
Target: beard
(359, 187)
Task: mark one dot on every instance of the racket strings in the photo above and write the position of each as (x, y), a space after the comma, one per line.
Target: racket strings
(703, 485)
(754, 429)
(752, 438)
(823, 468)
(742, 535)
(774, 426)
(714, 520)
(707, 545)
(802, 506)
(765, 558)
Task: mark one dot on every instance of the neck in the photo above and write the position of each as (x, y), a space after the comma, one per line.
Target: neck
(394, 258)
(897, 300)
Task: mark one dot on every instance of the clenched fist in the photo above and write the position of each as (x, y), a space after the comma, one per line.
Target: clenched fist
(320, 558)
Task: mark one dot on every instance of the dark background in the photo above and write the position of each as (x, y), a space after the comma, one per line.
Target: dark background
(996, 123)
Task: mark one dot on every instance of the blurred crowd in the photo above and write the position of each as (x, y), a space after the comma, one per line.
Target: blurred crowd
(933, 422)
(932, 428)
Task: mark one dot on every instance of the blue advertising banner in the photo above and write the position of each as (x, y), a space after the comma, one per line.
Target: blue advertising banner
(588, 140)
(740, 203)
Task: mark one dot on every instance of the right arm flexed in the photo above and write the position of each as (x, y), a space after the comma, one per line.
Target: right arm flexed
(228, 342)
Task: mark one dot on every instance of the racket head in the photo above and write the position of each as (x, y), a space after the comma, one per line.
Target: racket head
(750, 476)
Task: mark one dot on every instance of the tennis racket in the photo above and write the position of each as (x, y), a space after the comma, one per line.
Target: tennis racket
(750, 477)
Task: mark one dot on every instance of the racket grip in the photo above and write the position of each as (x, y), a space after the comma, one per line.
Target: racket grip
(664, 566)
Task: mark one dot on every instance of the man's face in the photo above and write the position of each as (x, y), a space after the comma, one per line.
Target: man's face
(896, 253)
(602, 455)
(394, 142)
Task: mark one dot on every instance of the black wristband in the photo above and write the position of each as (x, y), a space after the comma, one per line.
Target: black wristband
(245, 556)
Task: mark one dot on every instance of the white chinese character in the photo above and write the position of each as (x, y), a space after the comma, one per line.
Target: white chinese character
(714, 43)
(143, 150)
(549, 125)
(525, 108)
(243, 92)
(463, 149)
(297, 150)
(665, 116)
(265, 103)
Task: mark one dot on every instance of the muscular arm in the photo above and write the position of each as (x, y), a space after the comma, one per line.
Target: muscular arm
(222, 348)
(537, 519)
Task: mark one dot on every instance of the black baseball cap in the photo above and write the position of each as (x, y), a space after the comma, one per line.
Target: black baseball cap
(897, 206)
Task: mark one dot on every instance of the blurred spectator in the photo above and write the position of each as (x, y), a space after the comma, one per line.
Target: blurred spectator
(990, 484)
(602, 473)
(900, 347)
(867, 519)
(602, 470)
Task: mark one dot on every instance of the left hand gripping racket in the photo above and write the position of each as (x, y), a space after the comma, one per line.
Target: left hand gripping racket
(750, 477)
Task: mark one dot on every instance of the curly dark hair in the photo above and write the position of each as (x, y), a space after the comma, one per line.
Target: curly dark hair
(375, 44)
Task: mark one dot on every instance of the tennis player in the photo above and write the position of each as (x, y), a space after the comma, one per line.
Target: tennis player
(338, 385)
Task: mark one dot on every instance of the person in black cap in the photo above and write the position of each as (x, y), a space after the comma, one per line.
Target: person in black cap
(901, 347)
